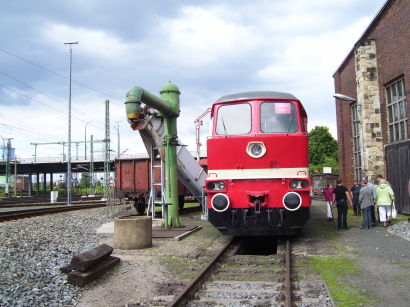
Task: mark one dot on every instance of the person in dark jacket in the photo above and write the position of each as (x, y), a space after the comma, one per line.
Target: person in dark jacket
(355, 197)
(341, 196)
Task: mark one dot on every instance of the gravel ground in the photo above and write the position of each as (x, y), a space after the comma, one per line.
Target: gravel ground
(401, 229)
(32, 250)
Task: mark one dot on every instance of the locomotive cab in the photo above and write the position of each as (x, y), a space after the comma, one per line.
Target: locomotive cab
(258, 180)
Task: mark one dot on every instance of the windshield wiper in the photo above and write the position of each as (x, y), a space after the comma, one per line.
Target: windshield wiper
(290, 125)
(223, 124)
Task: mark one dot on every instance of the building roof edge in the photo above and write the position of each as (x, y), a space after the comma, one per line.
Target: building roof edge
(372, 25)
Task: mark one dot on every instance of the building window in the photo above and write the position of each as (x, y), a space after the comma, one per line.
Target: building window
(357, 155)
(396, 109)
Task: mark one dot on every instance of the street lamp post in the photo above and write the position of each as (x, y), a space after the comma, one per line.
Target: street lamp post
(343, 97)
(85, 140)
(69, 129)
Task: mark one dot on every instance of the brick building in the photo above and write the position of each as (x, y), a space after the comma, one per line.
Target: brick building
(372, 121)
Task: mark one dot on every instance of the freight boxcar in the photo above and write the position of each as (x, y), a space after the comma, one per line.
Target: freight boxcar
(133, 181)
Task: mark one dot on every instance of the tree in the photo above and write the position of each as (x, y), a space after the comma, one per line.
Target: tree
(322, 149)
(85, 181)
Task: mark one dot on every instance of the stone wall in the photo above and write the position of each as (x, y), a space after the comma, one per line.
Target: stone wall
(368, 102)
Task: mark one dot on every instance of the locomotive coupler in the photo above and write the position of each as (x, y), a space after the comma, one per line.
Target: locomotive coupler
(257, 204)
(280, 212)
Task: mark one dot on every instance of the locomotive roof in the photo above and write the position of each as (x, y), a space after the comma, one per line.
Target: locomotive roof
(256, 95)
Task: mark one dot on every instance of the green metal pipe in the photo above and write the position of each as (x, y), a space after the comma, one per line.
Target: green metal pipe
(137, 95)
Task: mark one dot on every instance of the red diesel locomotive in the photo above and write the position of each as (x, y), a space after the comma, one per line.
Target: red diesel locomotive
(258, 178)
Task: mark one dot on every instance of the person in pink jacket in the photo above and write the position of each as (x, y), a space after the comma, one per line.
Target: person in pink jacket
(329, 201)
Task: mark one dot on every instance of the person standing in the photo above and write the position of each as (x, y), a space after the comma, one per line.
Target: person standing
(355, 197)
(373, 187)
(329, 201)
(341, 195)
(366, 201)
(384, 198)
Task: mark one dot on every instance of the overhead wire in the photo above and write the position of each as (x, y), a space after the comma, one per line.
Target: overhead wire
(38, 101)
(45, 94)
(57, 74)
(39, 91)
(26, 132)
(25, 123)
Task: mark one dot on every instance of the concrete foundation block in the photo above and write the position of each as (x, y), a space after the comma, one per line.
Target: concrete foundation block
(133, 232)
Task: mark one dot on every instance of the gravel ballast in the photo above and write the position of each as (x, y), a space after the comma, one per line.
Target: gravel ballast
(32, 251)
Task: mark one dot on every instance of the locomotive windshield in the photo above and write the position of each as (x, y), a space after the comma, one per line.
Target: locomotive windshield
(278, 117)
(234, 119)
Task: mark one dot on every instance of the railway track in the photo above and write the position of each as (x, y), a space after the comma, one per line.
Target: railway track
(33, 202)
(236, 278)
(25, 213)
(55, 208)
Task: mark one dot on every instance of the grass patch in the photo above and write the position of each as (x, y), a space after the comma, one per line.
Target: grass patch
(335, 271)
(324, 229)
(183, 267)
(190, 205)
(186, 205)
(402, 277)
(401, 217)
(340, 247)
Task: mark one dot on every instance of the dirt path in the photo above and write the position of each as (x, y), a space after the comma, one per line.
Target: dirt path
(360, 267)
(378, 262)
(148, 277)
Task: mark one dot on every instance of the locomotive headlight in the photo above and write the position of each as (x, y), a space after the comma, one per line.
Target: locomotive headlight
(215, 185)
(299, 184)
(292, 201)
(256, 149)
(220, 202)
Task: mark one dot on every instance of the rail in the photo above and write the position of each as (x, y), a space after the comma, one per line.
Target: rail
(236, 287)
(200, 278)
(25, 213)
(288, 273)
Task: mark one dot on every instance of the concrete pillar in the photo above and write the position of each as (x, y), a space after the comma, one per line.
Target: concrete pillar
(30, 184)
(51, 182)
(38, 184)
(45, 184)
(133, 232)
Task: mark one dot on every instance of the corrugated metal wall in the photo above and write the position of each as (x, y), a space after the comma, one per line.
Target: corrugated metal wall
(398, 174)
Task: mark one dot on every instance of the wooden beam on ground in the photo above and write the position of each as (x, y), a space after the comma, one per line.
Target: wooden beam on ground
(82, 278)
(82, 262)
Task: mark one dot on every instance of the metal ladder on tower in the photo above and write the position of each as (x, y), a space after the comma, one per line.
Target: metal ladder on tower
(153, 197)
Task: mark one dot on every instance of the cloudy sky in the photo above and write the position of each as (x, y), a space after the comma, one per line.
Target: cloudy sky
(208, 48)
